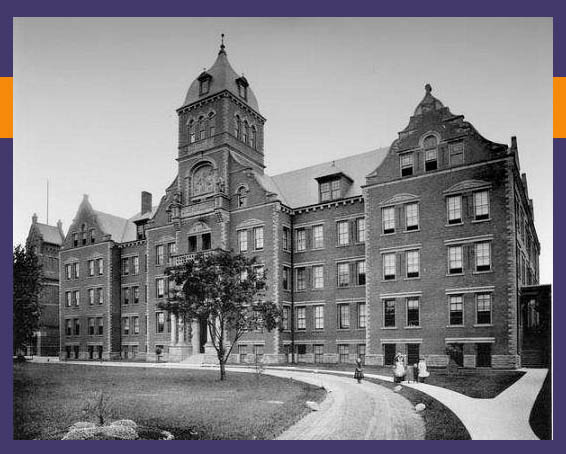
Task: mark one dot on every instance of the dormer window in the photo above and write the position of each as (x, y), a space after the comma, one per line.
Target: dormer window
(242, 87)
(204, 83)
(406, 162)
(330, 190)
(430, 145)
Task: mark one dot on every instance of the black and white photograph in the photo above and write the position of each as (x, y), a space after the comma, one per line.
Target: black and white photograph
(282, 228)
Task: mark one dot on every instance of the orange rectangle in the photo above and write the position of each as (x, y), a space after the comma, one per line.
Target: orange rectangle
(559, 102)
(6, 108)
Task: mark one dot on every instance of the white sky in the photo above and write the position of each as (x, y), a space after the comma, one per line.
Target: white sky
(95, 98)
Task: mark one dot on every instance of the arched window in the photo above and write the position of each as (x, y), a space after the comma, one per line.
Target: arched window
(202, 127)
(203, 180)
(192, 137)
(238, 127)
(253, 138)
(430, 145)
(211, 124)
(242, 196)
(246, 132)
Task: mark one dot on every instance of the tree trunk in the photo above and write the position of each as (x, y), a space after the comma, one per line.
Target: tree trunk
(222, 370)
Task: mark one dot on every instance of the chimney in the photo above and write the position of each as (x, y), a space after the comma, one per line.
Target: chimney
(514, 143)
(34, 218)
(145, 202)
(60, 228)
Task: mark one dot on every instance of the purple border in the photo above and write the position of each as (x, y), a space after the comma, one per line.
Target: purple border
(504, 8)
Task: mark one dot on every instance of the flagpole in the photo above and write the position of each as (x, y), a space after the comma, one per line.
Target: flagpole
(47, 202)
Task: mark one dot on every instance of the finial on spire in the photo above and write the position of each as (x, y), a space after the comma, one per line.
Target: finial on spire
(428, 88)
(222, 46)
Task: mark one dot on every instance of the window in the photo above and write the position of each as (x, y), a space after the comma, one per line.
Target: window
(77, 327)
(343, 274)
(243, 240)
(361, 272)
(159, 322)
(259, 271)
(325, 193)
(456, 310)
(159, 254)
(75, 239)
(206, 242)
(100, 263)
(335, 189)
(301, 240)
(76, 298)
(456, 152)
(242, 196)
(318, 352)
(483, 303)
(126, 266)
(431, 153)
(245, 132)
(91, 267)
(286, 239)
(136, 264)
(343, 233)
(406, 162)
(318, 317)
(343, 316)
(361, 315)
(83, 235)
(318, 236)
(171, 252)
(343, 353)
(204, 86)
(192, 137)
(92, 237)
(76, 270)
(192, 243)
(91, 327)
(412, 216)
(483, 256)
(413, 312)
(388, 219)
(454, 207)
(160, 287)
(318, 276)
(136, 295)
(389, 313)
(455, 262)
(100, 325)
(361, 230)
(136, 324)
(286, 278)
(126, 325)
(253, 137)
(481, 205)
(285, 321)
(362, 352)
(90, 292)
(202, 128)
(238, 127)
(68, 327)
(413, 263)
(99, 296)
(301, 318)
(389, 266)
(242, 91)
(301, 279)
(243, 352)
(68, 271)
(258, 352)
(258, 238)
(126, 296)
(212, 127)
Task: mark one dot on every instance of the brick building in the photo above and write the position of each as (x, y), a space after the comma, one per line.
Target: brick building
(46, 240)
(422, 247)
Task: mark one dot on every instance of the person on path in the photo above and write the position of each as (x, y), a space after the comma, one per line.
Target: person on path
(359, 372)
(423, 372)
(399, 368)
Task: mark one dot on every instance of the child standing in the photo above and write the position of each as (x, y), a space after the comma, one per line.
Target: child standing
(359, 372)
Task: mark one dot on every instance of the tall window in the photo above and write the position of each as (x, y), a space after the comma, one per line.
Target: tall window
(286, 239)
(343, 316)
(126, 325)
(171, 252)
(361, 272)
(91, 267)
(301, 239)
(90, 296)
(389, 313)
(68, 327)
(91, 327)
(318, 352)
(77, 327)
(319, 317)
(413, 312)
(136, 295)
(245, 132)
(204, 86)
(335, 189)
(301, 317)
(76, 269)
(406, 162)
(456, 152)
(238, 127)
(413, 263)
(211, 125)
(75, 239)
(243, 240)
(100, 263)
(125, 266)
(286, 314)
(99, 296)
(92, 236)
(286, 278)
(481, 205)
(136, 264)
(192, 243)
(455, 262)
(388, 219)
(242, 196)
(343, 233)
(456, 310)
(206, 241)
(160, 287)
(100, 325)
(318, 276)
(253, 137)
(412, 216)
(389, 266)
(483, 256)
(431, 153)
(343, 353)
(159, 322)
(159, 254)
(301, 279)
(125, 296)
(77, 298)
(202, 128)
(136, 324)
(454, 207)
(68, 271)
(192, 135)
(325, 191)
(483, 302)
(258, 238)
(361, 230)
(361, 315)
(343, 274)
(318, 236)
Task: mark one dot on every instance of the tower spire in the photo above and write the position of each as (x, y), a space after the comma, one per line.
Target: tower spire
(222, 46)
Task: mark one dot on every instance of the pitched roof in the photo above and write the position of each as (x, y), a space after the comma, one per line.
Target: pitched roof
(300, 188)
(120, 229)
(142, 216)
(50, 233)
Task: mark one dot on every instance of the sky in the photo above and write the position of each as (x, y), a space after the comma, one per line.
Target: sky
(95, 99)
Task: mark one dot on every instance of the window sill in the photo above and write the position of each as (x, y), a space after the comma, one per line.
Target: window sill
(318, 248)
(389, 280)
(477, 221)
(413, 327)
(344, 245)
(482, 325)
(454, 274)
(454, 224)
(387, 234)
(412, 230)
(482, 272)
(412, 278)
(455, 326)
(342, 329)
(389, 327)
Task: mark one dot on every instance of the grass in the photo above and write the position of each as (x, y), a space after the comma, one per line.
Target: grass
(478, 383)
(541, 414)
(48, 398)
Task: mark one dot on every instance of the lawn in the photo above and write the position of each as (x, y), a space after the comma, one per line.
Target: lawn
(191, 404)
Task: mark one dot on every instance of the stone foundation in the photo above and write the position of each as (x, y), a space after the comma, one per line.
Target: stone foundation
(178, 353)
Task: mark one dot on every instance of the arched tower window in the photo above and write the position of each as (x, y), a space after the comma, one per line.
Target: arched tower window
(246, 132)
(192, 137)
(430, 145)
(253, 138)
(202, 127)
(211, 124)
(238, 127)
(242, 197)
(203, 180)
